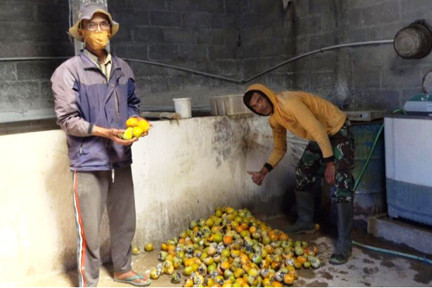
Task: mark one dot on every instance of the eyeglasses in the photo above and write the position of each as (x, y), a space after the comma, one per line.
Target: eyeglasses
(92, 26)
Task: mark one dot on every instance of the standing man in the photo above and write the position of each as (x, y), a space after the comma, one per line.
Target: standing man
(94, 95)
(331, 147)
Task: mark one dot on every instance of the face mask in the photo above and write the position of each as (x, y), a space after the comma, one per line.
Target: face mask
(96, 40)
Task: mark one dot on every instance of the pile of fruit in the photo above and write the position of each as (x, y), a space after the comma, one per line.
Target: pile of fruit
(231, 248)
(135, 128)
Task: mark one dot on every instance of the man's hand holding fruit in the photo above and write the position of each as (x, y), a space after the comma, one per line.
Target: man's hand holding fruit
(136, 127)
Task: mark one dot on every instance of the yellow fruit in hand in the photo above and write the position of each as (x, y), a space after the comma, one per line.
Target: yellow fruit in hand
(144, 125)
(128, 134)
(148, 247)
(137, 132)
(131, 122)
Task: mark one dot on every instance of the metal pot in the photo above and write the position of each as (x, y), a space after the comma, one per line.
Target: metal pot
(414, 41)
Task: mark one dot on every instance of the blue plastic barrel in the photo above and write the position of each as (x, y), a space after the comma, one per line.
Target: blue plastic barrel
(369, 198)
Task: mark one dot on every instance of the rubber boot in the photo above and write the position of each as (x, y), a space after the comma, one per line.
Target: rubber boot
(345, 214)
(305, 211)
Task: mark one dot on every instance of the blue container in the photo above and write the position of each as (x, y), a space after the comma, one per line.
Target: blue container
(369, 198)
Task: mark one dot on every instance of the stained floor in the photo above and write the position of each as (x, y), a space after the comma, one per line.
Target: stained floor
(366, 268)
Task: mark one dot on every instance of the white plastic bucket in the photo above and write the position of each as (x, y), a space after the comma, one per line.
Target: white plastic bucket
(183, 107)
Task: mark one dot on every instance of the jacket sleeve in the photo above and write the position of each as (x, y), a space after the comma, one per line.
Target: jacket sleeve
(133, 101)
(279, 144)
(313, 127)
(65, 90)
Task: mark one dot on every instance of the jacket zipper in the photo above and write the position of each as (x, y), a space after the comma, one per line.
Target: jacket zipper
(117, 103)
(81, 148)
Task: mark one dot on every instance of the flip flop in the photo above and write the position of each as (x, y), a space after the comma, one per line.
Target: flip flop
(131, 280)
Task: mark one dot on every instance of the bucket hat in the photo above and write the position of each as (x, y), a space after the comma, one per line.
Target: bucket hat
(86, 12)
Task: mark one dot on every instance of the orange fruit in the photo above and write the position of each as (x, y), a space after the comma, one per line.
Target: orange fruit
(288, 279)
(227, 240)
(283, 237)
(273, 235)
(225, 265)
(189, 262)
(164, 246)
(144, 125)
(131, 122)
(301, 259)
(239, 228)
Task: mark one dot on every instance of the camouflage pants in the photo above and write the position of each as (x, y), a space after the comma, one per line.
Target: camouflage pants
(311, 168)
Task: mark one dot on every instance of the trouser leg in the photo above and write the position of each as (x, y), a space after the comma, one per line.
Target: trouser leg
(90, 189)
(122, 218)
(343, 246)
(343, 148)
(308, 172)
(305, 211)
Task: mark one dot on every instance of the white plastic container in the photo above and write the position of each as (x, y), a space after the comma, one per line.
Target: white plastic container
(183, 107)
(228, 105)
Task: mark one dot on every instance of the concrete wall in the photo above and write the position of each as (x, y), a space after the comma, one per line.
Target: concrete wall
(182, 171)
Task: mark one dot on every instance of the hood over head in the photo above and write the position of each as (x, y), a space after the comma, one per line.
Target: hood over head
(264, 91)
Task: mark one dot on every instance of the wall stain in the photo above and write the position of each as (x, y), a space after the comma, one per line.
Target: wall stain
(367, 284)
(223, 139)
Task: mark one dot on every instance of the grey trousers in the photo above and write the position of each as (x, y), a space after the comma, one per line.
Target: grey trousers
(92, 192)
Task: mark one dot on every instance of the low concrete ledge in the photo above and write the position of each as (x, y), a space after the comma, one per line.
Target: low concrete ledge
(401, 233)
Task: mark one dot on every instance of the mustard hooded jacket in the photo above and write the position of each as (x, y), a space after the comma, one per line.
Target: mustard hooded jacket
(305, 115)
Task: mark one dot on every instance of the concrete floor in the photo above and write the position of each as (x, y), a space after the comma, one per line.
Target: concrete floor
(365, 268)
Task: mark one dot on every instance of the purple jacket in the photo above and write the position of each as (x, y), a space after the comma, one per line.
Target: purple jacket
(83, 98)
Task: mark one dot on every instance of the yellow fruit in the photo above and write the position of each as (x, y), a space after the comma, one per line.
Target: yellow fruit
(154, 273)
(128, 134)
(131, 122)
(189, 283)
(135, 250)
(164, 246)
(144, 125)
(137, 132)
(288, 279)
(148, 247)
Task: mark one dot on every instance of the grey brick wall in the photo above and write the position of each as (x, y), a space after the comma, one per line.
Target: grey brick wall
(233, 38)
(199, 35)
(368, 77)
